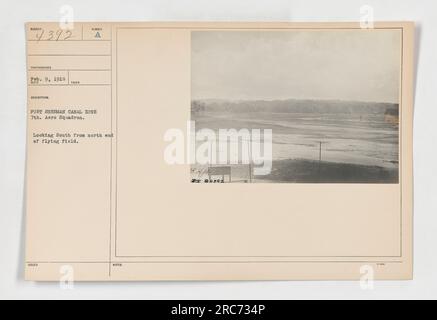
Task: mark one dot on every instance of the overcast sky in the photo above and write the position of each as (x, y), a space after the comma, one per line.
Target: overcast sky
(360, 65)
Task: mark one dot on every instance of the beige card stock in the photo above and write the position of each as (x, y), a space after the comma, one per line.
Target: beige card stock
(113, 192)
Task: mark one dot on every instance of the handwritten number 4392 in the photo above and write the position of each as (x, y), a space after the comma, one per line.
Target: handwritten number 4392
(53, 35)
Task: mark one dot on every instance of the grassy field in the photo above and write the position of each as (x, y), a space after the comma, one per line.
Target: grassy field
(355, 147)
(310, 171)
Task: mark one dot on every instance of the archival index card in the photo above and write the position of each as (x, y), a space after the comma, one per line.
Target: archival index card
(219, 151)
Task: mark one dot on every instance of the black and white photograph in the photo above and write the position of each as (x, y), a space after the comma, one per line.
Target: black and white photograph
(331, 99)
(218, 158)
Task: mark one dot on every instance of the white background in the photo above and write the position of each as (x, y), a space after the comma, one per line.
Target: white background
(13, 15)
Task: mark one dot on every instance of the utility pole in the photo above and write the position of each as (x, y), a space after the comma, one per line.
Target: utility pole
(320, 161)
(320, 152)
(250, 160)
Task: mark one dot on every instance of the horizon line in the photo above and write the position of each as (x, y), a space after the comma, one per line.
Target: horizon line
(297, 99)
